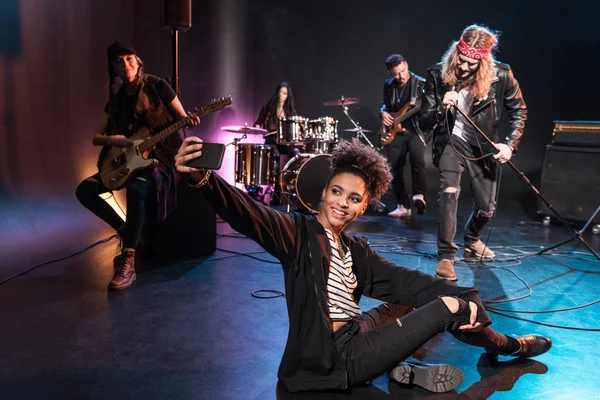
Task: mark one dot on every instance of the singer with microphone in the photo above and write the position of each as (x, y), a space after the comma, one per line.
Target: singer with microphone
(470, 79)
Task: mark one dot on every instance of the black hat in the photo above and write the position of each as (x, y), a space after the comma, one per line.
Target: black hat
(119, 48)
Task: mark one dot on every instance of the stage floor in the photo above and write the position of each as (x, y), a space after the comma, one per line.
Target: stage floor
(191, 329)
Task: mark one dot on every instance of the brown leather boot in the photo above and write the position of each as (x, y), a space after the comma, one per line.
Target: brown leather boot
(124, 271)
(478, 249)
(445, 270)
(529, 346)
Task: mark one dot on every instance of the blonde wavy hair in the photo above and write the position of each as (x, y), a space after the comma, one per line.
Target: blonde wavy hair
(480, 82)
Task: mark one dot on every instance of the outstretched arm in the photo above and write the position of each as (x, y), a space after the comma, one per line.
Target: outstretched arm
(275, 231)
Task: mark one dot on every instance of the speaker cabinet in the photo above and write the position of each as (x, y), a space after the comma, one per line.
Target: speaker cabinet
(178, 14)
(571, 182)
(189, 231)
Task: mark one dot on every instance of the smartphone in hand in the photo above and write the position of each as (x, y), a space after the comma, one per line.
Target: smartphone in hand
(211, 158)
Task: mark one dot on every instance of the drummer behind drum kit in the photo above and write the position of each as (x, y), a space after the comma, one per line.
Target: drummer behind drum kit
(303, 177)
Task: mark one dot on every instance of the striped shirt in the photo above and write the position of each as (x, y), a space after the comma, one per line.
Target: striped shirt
(341, 283)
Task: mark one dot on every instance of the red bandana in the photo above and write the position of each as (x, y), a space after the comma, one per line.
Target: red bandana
(471, 52)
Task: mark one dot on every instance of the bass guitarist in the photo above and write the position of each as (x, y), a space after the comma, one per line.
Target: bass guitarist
(402, 93)
(142, 100)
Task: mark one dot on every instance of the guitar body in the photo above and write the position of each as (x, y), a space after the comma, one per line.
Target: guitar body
(387, 134)
(119, 165)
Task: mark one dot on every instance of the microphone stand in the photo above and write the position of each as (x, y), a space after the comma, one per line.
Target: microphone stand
(576, 234)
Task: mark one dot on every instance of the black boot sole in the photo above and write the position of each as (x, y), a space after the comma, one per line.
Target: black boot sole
(438, 378)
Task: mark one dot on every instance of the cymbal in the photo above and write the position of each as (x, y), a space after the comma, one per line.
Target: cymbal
(342, 101)
(244, 129)
(356, 130)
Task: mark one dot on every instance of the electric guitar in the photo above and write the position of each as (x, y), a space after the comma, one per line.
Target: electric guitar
(119, 165)
(387, 134)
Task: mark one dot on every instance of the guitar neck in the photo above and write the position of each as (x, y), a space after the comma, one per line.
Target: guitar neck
(151, 142)
(406, 115)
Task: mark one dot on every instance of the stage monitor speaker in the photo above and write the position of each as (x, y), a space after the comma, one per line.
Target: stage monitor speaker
(571, 182)
(178, 14)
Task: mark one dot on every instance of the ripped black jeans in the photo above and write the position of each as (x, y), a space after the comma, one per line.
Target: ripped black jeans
(385, 336)
(140, 193)
(483, 185)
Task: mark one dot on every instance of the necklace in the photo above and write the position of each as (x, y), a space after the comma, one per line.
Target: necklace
(402, 92)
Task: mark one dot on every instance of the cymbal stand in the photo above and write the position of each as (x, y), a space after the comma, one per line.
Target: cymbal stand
(359, 130)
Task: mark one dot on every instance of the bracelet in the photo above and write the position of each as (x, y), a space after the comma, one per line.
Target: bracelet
(202, 182)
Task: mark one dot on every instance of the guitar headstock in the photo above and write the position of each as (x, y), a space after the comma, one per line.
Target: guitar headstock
(217, 104)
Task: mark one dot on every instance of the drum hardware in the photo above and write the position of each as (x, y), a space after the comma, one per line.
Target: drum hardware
(356, 130)
(255, 165)
(244, 129)
(360, 132)
(342, 101)
(322, 129)
(291, 130)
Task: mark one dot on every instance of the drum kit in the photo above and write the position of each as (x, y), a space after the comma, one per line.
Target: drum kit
(304, 176)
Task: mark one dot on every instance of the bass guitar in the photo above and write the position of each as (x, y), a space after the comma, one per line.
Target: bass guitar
(387, 134)
(119, 165)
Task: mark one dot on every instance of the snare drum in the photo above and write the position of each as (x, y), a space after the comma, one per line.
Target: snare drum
(304, 177)
(291, 130)
(256, 164)
(323, 129)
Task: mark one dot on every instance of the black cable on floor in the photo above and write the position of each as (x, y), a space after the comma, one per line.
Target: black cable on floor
(61, 258)
(274, 294)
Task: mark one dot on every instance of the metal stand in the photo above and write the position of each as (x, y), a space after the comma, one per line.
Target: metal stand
(359, 131)
(175, 77)
(577, 234)
(235, 142)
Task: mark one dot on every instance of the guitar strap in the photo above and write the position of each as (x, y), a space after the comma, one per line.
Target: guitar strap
(413, 90)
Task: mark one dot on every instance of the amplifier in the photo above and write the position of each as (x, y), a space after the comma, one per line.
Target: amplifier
(576, 133)
(571, 182)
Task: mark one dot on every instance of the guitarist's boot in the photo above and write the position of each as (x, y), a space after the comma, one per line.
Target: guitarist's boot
(124, 271)
(419, 202)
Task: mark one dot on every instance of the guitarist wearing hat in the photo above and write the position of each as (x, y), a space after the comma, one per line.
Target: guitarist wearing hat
(142, 101)
(401, 135)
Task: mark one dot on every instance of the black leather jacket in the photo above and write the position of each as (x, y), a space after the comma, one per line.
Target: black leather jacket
(391, 102)
(504, 94)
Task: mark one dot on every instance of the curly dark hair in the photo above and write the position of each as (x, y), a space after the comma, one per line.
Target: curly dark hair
(360, 160)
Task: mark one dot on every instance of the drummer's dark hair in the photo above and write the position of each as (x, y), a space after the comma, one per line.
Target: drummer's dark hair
(289, 107)
(357, 159)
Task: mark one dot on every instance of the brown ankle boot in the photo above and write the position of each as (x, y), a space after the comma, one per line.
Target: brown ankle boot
(479, 249)
(124, 271)
(445, 270)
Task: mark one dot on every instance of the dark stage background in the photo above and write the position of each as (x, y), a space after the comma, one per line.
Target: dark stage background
(53, 79)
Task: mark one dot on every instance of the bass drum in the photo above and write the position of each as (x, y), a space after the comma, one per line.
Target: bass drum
(304, 177)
